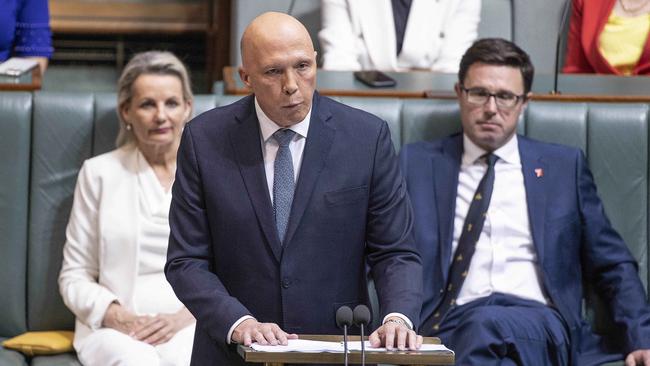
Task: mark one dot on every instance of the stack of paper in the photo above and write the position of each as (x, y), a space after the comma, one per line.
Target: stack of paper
(302, 345)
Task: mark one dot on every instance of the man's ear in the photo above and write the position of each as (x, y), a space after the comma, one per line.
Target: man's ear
(528, 96)
(243, 75)
(458, 90)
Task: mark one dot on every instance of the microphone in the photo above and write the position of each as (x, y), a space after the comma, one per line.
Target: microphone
(344, 320)
(558, 44)
(361, 317)
(290, 10)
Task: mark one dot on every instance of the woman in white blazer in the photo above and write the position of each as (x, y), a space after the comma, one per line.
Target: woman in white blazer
(360, 34)
(112, 275)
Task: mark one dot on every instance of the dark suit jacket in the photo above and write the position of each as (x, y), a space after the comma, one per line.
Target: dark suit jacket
(571, 233)
(350, 205)
(588, 20)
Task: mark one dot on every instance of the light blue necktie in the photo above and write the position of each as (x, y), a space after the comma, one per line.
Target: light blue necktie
(283, 184)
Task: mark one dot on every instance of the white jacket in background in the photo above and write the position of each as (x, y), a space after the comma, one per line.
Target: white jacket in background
(360, 34)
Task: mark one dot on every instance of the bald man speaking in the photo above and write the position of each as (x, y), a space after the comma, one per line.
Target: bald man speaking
(280, 200)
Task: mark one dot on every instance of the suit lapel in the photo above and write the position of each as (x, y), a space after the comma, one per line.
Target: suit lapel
(533, 167)
(245, 140)
(317, 147)
(446, 167)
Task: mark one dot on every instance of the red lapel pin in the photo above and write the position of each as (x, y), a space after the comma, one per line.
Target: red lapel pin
(539, 172)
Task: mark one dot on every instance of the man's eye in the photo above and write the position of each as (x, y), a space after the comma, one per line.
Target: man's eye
(506, 96)
(272, 71)
(480, 92)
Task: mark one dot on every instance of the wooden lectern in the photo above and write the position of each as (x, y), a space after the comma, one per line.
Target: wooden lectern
(395, 357)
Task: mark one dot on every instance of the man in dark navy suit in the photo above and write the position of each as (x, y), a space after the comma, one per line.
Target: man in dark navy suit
(509, 227)
(279, 202)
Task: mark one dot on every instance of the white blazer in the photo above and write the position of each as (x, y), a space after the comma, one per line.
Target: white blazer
(100, 256)
(360, 34)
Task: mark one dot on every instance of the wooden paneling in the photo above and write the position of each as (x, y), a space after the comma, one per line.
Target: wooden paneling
(123, 21)
(78, 16)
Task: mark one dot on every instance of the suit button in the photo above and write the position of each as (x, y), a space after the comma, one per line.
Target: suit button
(286, 283)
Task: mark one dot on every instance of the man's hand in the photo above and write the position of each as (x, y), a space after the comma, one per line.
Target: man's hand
(395, 334)
(160, 328)
(638, 357)
(250, 330)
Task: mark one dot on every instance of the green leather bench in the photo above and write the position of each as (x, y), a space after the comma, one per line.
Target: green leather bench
(45, 138)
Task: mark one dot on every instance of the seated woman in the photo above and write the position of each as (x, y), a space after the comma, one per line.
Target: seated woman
(609, 37)
(25, 30)
(397, 35)
(112, 276)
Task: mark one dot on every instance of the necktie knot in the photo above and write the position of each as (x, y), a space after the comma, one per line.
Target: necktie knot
(283, 136)
(490, 159)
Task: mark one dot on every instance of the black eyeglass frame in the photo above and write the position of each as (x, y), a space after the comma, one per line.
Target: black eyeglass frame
(517, 97)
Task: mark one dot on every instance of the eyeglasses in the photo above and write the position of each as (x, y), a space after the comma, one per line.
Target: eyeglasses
(503, 99)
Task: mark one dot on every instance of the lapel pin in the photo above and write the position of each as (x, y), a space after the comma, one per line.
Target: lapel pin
(539, 172)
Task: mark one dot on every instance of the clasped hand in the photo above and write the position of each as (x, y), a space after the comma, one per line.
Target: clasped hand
(390, 335)
(151, 329)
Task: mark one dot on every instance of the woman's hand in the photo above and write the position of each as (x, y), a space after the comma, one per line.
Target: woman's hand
(120, 319)
(160, 328)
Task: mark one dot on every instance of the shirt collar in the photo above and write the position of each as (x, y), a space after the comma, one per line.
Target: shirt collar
(508, 153)
(268, 127)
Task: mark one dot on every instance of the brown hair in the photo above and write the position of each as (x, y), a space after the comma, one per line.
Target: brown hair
(499, 52)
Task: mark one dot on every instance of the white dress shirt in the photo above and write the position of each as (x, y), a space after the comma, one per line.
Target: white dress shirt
(505, 259)
(270, 145)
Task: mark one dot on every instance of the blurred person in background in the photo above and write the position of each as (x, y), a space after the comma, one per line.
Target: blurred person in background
(397, 35)
(112, 276)
(609, 37)
(25, 30)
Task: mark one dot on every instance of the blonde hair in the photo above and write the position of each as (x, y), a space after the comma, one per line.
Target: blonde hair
(150, 62)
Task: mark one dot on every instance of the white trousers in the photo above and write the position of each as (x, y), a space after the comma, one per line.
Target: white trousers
(108, 347)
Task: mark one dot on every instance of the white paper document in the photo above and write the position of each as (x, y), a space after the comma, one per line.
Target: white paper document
(305, 346)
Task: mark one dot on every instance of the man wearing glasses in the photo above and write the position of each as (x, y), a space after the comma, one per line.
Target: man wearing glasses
(509, 227)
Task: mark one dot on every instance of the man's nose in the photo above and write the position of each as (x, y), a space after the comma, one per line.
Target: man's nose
(490, 105)
(289, 85)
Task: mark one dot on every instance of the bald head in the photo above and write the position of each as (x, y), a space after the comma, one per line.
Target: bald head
(279, 66)
(273, 28)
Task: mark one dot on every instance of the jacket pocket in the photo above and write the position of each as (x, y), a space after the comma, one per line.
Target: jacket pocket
(346, 196)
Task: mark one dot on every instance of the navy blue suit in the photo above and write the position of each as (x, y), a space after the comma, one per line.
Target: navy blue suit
(574, 240)
(350, 206)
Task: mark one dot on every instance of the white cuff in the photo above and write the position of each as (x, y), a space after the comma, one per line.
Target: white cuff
(408, 322)
(232, 329)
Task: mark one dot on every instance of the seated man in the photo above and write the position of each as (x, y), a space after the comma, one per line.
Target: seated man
(509, 227)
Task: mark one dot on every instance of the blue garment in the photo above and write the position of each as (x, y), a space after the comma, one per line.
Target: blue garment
(24, 29)
(505, 330)
(350, 208)
(573, 238)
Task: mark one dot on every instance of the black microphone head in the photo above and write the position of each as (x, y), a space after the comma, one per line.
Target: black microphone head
(343, 316)
(361, 315)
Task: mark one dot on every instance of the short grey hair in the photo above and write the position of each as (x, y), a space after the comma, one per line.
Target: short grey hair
(150, 62)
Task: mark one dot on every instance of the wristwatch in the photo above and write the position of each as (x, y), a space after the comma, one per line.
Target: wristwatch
(397, 321)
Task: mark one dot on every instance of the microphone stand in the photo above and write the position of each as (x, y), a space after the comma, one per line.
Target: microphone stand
(343, 320)
(361, 317)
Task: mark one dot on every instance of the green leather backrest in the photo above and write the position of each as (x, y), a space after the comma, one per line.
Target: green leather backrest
(62, 140)
(15, 116)
(617, 148)
(388, 109)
